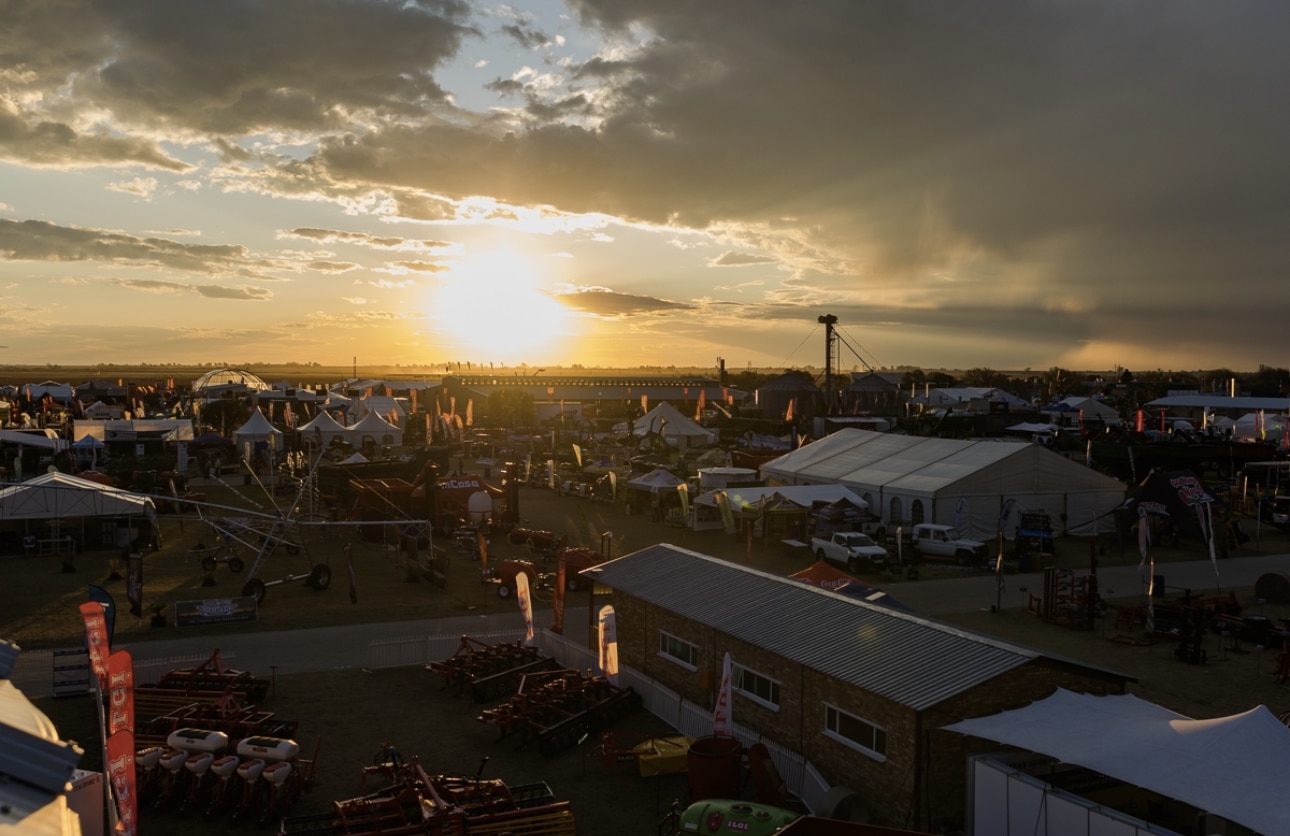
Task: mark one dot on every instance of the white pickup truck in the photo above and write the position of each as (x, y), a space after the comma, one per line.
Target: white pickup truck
(853, 549)
(945, 543)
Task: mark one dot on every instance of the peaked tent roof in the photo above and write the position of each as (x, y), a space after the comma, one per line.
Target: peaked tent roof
(1146, 745)
(60, 496)
(656, 480)
(374, 423)
(677, 424)
(257, 424)
(323, 423)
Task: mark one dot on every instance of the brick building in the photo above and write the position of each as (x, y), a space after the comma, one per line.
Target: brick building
(857, 689)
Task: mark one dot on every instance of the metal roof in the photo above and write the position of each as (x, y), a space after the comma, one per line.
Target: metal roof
(904, 657)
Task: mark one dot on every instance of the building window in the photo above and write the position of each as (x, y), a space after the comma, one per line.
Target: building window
(678, 650)
(854, 732)
(755, 686)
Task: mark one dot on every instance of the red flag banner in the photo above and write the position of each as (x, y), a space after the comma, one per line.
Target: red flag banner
(120, 666)
(721, 719)
(120, 770)
(96, 640)
(557, 599)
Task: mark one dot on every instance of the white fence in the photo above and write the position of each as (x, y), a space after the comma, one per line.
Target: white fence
(64, 672)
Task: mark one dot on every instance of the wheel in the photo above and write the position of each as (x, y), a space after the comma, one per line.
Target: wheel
(235, 565)
(962, 558)
(503, 590)
(208, 563)
(819, 554)
(571, 582)
(254, 588)
(320, 577)
(853, 565)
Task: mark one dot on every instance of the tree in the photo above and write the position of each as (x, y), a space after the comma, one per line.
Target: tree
(510, 408)
(986, 378)
(224, 416)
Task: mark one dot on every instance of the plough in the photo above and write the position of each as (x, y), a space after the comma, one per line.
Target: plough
(558, 708)
(207, 682)
(417, 803)
(489, 670)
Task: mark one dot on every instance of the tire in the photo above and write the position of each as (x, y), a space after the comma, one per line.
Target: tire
(320, 577)
(504, 591)
(254, 588)
(853, 565)
(819, 554)
(571, 582)
(208, 564)
(962, 558)
(235, 565)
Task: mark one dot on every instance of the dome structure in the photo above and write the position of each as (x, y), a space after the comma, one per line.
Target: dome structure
(225, 380)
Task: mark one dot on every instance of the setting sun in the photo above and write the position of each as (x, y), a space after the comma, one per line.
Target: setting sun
(493, 301)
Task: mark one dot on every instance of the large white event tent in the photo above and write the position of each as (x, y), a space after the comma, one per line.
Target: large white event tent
(1232, 767)
(375, 428)
(257, 430)
(907, 479)
(57, 495)
(324, 428)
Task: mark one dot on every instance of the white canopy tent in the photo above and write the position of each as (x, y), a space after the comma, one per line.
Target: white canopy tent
(963, 483)
(372, 426)
(656, 481)
(324, 428)
(1232, 767)
(676, 429)
(60, 496)
(255, 432)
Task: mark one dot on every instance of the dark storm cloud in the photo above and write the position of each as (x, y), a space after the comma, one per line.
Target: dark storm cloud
(611, 304)
(208, 67)
(42, 241)
(42, 142)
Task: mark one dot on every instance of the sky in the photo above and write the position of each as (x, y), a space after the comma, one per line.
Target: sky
(633, 183)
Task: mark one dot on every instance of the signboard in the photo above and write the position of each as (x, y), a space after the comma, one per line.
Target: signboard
(215, 611)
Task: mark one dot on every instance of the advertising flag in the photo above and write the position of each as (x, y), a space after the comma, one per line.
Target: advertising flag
(482, 542)
(644, 402)
(683, 493)
(96, 640)
(727, 515)
(958, 511)
(557, 599)
(120, 773)
(526, 605)
(698, 410)
(722, 724)
(608, 624)
(120, 710)
(98, 593)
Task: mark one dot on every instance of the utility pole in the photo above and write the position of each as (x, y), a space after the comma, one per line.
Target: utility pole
(828, 321)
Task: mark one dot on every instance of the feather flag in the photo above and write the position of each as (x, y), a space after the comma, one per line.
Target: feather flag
(959, 510)
(698, 410)
(644, 402)
(608, 625)
(526, 605)
(722, 723)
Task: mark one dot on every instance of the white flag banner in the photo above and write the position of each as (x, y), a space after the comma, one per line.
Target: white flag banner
(721, 720)
(526, 605)
(609, 644)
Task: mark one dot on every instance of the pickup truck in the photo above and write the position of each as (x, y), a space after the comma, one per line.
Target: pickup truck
(945, 543)
(853, 549)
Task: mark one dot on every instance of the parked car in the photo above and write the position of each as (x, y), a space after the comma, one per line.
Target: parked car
(853, 549)
(945, 543)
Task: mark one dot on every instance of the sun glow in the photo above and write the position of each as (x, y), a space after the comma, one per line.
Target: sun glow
(493, 301)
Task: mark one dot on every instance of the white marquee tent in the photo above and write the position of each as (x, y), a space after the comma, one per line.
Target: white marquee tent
(324, 427)
(60, 496)
(256, 430)
(1232, 767)
(675, 428)
(376, 428)
(906, 478)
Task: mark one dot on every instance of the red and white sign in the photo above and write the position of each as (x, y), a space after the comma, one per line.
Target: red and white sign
(120, 770)
(96, 640)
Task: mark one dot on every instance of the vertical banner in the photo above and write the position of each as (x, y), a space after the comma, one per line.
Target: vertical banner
(609, 644)
(120, 773)
(727, 516)
(96, 640)
(120, 691)
(958, 511)
(134, 583)
(98, 593)
(683, 493)
(482, 541)
(722, 724)
(557, 600)
(526, 605)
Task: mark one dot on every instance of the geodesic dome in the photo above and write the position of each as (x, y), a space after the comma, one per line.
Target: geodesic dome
(229, 379)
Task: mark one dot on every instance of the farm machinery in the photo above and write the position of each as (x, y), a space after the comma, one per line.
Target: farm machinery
(210, 681)
(199, 771)
(489, 670)
(416, 803)
(557, 708)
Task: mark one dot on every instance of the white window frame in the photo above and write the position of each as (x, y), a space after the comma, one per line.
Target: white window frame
(831, 710)
(737, 673)
(663, 638)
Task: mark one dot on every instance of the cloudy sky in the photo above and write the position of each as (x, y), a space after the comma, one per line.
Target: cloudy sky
(1011, 185)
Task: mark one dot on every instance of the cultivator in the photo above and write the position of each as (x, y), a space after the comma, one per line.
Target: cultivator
(195, 772)
(558, 708)
(210, 681)
(489, 670)
(418, 803)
